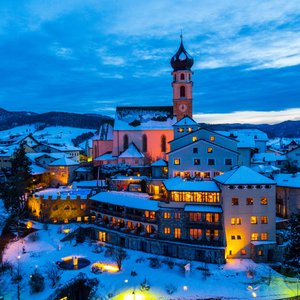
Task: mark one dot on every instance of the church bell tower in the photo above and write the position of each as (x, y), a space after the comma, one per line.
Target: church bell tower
(182, 83)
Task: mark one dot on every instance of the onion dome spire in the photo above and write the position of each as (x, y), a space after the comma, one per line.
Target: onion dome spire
(181, 60)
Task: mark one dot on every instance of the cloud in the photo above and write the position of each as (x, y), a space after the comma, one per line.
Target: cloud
(250, 117)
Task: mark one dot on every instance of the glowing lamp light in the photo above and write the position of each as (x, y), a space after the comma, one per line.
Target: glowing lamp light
(185, 288)
(126, 280)
(29, 225)
(135, 296)
(254, 295)
(107, 267)
(67, 230)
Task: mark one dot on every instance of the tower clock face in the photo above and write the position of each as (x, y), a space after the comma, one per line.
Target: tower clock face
(182, 107)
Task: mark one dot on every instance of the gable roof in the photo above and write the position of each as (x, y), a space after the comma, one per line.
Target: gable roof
(288, 180)
(144, 118)
(106, 156)
(186, 120)
(132, 151)
(243, 175)
(160, 163)
(64, 162)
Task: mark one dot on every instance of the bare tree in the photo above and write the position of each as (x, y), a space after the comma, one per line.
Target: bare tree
(53, 273)
(119, 255)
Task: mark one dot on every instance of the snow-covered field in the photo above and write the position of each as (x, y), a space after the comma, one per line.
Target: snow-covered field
(229, 281)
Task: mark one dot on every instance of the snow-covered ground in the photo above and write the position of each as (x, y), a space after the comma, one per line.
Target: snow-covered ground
(229, 281)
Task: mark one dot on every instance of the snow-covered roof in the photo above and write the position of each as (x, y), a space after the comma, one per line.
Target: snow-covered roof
(64, 162)
(132, 152)
(186, 121)
(265, 169)
(159, 163)
(123, 177)
(288, 180)
(267, 157)
(106, 156)
(65, 148)
(132, 200)
(63, 193)
(144, 118)
(8, 151)
(89, 183)
(84, 170)
(178, 184)
(37, 170)
(243, 175)
(203, 208)
(258, 243)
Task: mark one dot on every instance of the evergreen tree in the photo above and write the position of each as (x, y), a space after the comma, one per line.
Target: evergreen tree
(36, 282)
(19, 183)
(293, 253)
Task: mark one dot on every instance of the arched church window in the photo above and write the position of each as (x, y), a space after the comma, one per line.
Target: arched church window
(181, 76)
(145, 146)
(182, 91)
(125, 142)
(163, 143)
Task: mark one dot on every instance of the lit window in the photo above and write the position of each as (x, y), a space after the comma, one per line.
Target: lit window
(212, 138)
(264, 201)
(264, 236)
(235, 201)
(196, 161)
(167, 215)
(211, 162)
(264, 219)
(195, 150)
(82, 206)
(167, 230)
(249, 201)
(260, 252)
(102, 236)
(228, 161)
(238, 221)
(209, 150)
(177, 233)
(243, 252)
(195, 233)
(176, 161)
(194, 139)
(253, 219)
(254, 236)
(208, 217)
(190, 129)
(232, 221)
(180, 129)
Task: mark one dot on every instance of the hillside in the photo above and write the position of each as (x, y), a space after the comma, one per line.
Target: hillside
(12, 119)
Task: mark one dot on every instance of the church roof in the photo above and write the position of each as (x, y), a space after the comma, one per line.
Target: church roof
(181, 60)
(186, 120)
(144, 118)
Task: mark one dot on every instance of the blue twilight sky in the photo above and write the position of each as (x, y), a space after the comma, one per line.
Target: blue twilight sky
(87, 56)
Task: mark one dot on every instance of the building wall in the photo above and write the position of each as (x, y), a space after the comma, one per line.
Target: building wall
(244, 211)
(287, 201)
(62, 175)
(187, 157)
(100, 147)
(153, 141)
(294, 157)
(244, 157)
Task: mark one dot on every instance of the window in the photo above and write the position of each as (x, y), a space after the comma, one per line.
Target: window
(264, 201)
(195, 150)
(82, 206)
(182, 91)
(260, 252)
(233, 237)
(196, 161)
(180, 129)
(212, 138)
(177, 233)
(163, 143)
(236, 221)
(253, 219)
(238, 237)
(208, 217)
(150, 214)
(249, 201)
(167, 230)
(177, 215)
(167, 215)
(181, 76)
(194, 139)
(195, 217)
(254, 236)
(102, 236)
(228, 161)
(264, 219)
(209, 150)
(125, 142)
(176, 161)
(264, 236)
(190, 129)
(235, 201)
(195, 233)
(212, 235)
(243, 252)
(145, 146)
(211, 161)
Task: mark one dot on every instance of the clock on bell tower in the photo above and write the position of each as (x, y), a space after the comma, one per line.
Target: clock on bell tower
(182, 83)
